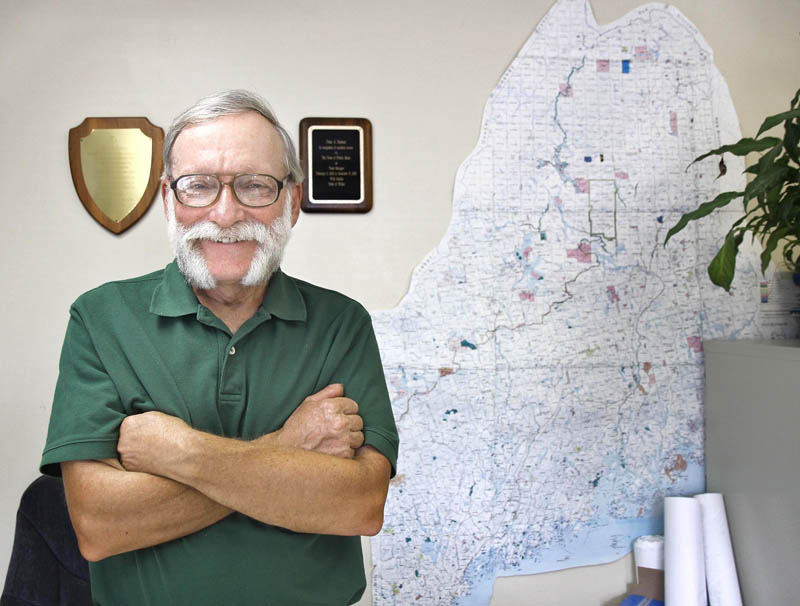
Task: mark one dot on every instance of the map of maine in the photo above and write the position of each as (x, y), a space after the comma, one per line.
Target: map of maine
(546, 365)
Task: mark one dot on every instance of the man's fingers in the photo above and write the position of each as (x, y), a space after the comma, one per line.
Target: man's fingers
(334, 390)
(356, 423)
(349, 407)
(326, 422)
(356, 439)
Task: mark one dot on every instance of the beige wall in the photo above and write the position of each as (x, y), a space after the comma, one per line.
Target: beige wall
(421, 70)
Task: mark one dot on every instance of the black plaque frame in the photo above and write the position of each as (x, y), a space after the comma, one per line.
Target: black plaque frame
(336, 154)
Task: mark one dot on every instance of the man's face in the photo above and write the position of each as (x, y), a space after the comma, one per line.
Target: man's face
(222, 240)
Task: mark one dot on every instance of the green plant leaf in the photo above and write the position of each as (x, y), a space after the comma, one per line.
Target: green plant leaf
(757, 224)
(762, 199)
(795, 99)
(791, 198)
(772, 170)
(791, 256)
(723, 265)
(741, 148)
(772, 243)
(773, 196)
(765, 181)
(701, 211)
(791, 141)
(738, 222)
(771, 157)
(788, 212)
(777, 119)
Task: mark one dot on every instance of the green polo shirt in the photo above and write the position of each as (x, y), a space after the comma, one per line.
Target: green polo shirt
(148, 344)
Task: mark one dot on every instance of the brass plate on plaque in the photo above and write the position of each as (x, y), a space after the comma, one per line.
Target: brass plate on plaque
(116, 167)
(336, 154)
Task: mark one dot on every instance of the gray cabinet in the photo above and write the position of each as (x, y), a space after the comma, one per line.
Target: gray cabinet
(752, 411)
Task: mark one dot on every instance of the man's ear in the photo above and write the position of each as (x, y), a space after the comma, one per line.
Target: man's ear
(164, 193)
(297, 196)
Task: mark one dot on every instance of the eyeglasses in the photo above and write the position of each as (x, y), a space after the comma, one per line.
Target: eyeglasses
(203, 190)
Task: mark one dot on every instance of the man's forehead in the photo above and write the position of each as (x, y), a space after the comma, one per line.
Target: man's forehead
(247, 133)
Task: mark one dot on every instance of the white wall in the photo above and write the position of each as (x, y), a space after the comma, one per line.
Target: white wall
(421, 71)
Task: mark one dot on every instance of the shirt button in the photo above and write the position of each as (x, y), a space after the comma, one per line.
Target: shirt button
(232, 351)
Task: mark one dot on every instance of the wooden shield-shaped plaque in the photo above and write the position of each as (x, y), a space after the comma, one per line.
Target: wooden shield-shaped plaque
(116, 167)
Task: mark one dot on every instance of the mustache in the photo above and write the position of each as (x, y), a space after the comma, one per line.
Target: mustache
(246, 230)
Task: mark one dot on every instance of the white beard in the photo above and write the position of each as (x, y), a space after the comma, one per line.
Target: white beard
(271, 242)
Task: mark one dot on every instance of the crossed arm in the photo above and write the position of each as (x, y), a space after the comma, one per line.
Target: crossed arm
(312, 475)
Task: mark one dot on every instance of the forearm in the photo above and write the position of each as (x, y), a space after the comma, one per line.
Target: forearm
(114, 511)
(312, 475)
(301, 490)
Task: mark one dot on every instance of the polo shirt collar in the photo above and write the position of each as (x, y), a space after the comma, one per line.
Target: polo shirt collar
(174, 297)
(283, 299)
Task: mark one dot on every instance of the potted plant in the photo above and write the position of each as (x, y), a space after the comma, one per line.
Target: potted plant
(771, 199)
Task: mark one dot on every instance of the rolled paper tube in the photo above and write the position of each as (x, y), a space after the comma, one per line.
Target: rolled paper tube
(648, 552)
(684, 561)
(721, 577)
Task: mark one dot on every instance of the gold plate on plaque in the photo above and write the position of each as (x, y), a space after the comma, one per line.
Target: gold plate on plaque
(116, 166)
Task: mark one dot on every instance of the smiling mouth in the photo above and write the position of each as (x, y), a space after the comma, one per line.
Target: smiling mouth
(222, 240)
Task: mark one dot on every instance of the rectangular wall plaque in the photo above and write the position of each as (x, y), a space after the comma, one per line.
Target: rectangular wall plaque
(336, 154)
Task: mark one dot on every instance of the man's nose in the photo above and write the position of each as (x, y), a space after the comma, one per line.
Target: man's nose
(226, 211)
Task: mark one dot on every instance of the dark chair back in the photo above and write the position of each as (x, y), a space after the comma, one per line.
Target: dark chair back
(46, 568)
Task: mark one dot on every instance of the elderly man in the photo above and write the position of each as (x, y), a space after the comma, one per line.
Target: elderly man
(223, 430)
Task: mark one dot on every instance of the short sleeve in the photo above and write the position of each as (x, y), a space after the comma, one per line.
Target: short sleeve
(354, 361)
(87, 412)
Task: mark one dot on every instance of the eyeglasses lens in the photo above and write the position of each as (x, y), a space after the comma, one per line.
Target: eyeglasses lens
(255, 190)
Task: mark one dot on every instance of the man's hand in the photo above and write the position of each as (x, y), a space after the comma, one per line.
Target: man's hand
(325, 422)
(149, 442)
